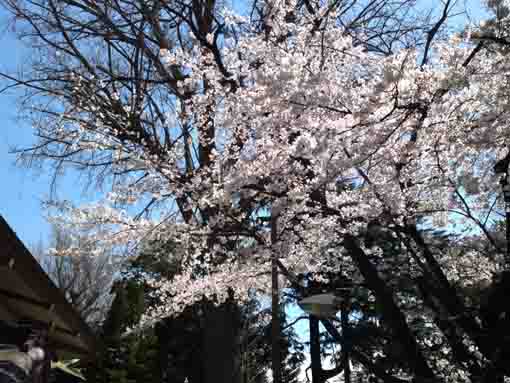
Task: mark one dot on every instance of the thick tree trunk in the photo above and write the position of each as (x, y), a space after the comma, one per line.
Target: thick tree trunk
(220, 344)
(163, 335)
(391, 312)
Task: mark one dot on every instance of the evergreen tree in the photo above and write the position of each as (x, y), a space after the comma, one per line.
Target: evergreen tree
(125, 358)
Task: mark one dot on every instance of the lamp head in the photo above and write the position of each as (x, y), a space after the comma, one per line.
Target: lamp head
(321, 305)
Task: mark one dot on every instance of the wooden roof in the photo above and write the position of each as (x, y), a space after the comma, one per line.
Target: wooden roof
(27, 293)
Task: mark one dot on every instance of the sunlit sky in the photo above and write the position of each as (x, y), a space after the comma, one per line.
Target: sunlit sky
(20, 191)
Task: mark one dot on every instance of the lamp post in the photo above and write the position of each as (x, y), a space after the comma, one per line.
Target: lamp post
(325, 306)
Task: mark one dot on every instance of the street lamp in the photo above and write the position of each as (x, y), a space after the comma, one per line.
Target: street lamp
(324, 306)
(321, 305)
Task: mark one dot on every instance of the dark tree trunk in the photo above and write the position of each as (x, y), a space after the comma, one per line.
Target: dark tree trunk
(220, 343)
(391, 312)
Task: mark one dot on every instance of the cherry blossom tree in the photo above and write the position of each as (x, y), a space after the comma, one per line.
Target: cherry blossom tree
(349, 121)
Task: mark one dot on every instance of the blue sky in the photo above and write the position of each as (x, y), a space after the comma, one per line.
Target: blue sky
(21, 190)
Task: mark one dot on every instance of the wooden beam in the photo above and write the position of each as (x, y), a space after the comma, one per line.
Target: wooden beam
(22, 298)
(27, 267)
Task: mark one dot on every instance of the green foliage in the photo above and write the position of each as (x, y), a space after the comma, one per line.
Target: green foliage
(126, 310)
(157, 259)
(126, 359)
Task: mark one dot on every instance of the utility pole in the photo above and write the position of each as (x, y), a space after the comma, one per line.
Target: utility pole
(275, 304)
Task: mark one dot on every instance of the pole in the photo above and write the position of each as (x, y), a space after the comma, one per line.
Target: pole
(315, 349)
(345, 332)
(275, 305)
(506, 195)
(507, 258)
(507, 216)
